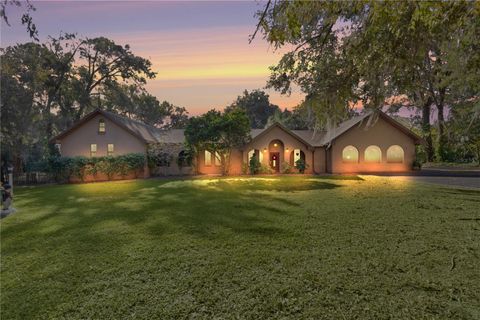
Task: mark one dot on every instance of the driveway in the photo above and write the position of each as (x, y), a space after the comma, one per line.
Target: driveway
(468, 182)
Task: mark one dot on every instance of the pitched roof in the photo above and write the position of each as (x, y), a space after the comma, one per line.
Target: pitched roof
(142, 131)
(366, 116)
(150, 134)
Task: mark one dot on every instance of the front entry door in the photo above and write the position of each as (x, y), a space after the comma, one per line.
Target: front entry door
(275, 161)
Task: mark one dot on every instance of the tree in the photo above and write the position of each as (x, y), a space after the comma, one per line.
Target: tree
(218, 133)
(368, 51)
(22, 92)
(135, 102)
(257, 106)
(26, 19)
(102, 61)
(46, 87)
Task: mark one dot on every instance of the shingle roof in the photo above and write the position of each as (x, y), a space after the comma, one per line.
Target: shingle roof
(150, 134)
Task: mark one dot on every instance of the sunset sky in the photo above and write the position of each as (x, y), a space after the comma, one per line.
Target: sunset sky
(199, 49)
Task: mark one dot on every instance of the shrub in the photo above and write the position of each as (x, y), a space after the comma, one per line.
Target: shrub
(245, 168)
(285, 167)
(301, 165)
(265, 169)
(254, 165)
(63, 168)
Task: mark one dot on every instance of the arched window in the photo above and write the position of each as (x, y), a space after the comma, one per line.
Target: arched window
(101, 126)
(373, 154)
(184, 159)
(350, 154)
(250, 155)
(296, 155)
(395, 154)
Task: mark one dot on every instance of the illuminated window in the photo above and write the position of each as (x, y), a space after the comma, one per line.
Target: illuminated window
(93, 149)
(350, 154)
(208, 158)
(218, 159)
(373, 154)
(395, 154)
(296, 155)
(110, 149)
(101, 126)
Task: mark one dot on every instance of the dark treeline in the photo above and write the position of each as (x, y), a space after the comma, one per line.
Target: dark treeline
(46, 87)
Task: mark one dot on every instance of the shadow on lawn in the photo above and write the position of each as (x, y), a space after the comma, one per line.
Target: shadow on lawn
(79, 216)
(272, 185)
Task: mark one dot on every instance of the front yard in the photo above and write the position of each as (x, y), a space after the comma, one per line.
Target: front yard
(271, 247)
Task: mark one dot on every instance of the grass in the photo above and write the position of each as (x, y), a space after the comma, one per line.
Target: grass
(272, 247)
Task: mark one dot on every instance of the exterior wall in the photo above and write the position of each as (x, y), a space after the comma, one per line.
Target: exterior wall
(381, 134)
(235, 164)
(77, 142)
(174, 150)
(319, 160)
(289, 142)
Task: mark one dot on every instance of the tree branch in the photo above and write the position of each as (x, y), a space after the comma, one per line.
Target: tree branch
(260, 21)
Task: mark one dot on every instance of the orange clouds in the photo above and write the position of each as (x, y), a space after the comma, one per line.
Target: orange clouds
(205, 68)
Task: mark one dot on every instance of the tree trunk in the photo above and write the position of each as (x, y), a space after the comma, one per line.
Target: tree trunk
(441, 140)
(427, 130)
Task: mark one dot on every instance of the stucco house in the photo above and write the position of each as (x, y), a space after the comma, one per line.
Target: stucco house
(371, 142)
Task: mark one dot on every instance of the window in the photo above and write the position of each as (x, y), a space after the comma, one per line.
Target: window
(395, 154)
(218, 159)
(110, 149)
(101, 126)
(350, 154)
(184, 159)
(208, 158)
(58, 147)
(93, 149)
(296, 155)
(373, 154)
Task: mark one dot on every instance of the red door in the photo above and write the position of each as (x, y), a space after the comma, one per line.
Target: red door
(275, 161)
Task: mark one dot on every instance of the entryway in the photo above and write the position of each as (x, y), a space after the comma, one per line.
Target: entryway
(275, 161)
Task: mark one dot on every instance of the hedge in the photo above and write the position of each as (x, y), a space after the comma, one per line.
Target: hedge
(62, 169)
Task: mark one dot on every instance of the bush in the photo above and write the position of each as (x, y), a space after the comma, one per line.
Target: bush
(285, 167)
(265, 169)
(301, 165)
(254, 165)
(64, 168)
(245, 168)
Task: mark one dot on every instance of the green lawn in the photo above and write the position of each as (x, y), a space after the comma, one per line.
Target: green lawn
(272, 247)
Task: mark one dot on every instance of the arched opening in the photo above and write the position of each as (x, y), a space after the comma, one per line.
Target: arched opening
(350, 154)
(373, 154)
(255, 152)
(184, 159)
(296, 155)
(275, 151)
(395, 154)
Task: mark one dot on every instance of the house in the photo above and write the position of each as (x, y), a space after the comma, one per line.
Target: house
(371, 142)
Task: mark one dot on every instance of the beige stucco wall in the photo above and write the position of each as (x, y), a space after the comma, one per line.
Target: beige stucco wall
(319, 160)
(381, 134)
(235, 164)
(77, 142)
